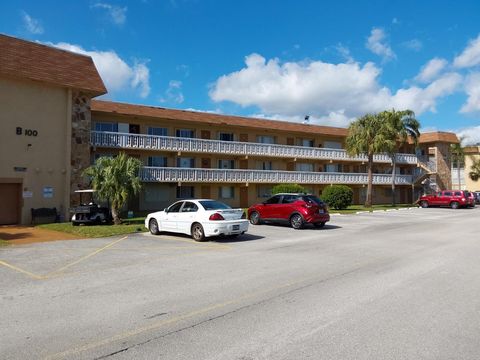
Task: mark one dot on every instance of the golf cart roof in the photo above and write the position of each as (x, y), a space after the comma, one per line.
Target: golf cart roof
(85, 191)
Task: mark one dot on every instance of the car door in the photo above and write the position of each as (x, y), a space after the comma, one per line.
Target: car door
(287, 206)
(169, 221)
(270, 208)
(436, 199)
(446, 198)
(186, 217)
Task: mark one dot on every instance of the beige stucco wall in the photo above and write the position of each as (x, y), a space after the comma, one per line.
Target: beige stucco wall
(43, 109)
(471, 153)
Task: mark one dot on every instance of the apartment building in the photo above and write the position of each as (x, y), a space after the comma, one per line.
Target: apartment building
(238, 160)
(51, 130)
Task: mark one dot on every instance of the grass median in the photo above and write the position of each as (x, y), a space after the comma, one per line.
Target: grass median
(353, 209)
(128, 226)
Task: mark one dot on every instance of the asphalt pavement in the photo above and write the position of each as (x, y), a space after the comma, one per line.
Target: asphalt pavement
(401, 284)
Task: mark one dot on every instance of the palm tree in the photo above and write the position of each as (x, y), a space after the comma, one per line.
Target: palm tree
(401, 126)
(475, 170)
(458, 158)
(115, 180)
(367, 136)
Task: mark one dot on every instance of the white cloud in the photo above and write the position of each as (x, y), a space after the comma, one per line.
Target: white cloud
(414, 44)
(329, 93)
(472, 88)
(376, 43)
(425, 99)
(431, 69)
(115, 72)
(470, 55)
(117, 14)
(344, 52)
(470, 135)
(32, 25)
(173, 94)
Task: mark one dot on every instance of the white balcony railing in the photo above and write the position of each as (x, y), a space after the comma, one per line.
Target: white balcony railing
(191, 175)
(167, 143)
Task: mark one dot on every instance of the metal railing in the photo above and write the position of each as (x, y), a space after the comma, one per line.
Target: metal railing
(193, 175)
(167, 143)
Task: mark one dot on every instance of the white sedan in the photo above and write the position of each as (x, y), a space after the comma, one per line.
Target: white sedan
(200, 218)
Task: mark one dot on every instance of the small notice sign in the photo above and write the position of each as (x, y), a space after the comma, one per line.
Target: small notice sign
(27, 194)
(48, 192)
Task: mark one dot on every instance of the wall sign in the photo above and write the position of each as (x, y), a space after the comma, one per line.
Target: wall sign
(48, 192)
(20, 169)
(26, 132)
(27, 194)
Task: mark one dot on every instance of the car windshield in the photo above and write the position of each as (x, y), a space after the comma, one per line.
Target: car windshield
(213, 205)
(314, 199)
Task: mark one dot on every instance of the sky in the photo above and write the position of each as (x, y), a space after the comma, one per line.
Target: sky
(331, 60)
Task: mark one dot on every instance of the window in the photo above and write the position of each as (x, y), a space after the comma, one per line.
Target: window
(175, 207)
(157, 161)
(213, 205)
(447, 193)
(155, 192)
(264, 191)
(184, 162)
(458, 193)
(332, 145)
(266, 139)
(226, 192)
(185, 133)
(304, 167)
(226, 164)
(273, 200)
(157, 131)
(305, 142)
(264, 165)
(185, 192)
(189, 207)
(288, 199)
(225, 136)
(332, 168)
(109, 127)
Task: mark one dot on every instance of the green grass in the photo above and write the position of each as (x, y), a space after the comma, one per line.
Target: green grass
(3, 243)
(129, 226)
(354, 208)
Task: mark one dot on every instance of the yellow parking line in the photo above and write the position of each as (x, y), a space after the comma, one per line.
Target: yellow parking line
(25, 272)
(86, 257)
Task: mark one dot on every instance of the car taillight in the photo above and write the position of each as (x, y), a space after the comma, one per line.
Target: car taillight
(463, 199)
(216, 216)
(244, 216)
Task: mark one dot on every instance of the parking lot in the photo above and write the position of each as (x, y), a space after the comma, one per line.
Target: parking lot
(266, 294)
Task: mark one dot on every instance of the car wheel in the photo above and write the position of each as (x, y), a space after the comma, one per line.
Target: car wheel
(197, 232)
(454, 205)
(319, 225)
(424, 204)
(255, 218)
(153, 227)
(296, 221)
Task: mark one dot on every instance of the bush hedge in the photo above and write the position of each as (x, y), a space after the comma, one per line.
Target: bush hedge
(338, 197)
(288, 188)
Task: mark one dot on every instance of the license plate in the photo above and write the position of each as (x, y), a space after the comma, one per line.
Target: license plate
(320, 211)
(235, 227)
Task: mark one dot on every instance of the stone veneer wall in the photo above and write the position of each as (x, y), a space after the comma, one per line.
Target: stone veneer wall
(80, 156)
(444, 165)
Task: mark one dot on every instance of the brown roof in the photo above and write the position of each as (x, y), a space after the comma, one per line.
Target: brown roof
(110, 107)
(439, 136)
(29, 60)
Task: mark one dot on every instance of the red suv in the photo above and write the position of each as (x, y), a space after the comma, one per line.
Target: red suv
(295, 209)
(452, 198)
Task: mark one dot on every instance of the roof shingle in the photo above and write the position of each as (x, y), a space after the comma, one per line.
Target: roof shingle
(29, 60)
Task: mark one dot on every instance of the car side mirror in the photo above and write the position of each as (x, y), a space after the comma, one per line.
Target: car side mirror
(166, 210)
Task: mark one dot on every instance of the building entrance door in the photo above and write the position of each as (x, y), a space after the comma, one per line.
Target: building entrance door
(10, 209)
(244, 197)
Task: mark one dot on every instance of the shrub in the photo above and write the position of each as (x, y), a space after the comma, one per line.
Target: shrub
(288, 188)
(338, 196)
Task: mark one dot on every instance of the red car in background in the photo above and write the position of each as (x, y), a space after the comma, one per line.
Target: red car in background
(451, 198)
(294, 209)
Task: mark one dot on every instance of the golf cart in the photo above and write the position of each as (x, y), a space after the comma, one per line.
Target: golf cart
(89, 212)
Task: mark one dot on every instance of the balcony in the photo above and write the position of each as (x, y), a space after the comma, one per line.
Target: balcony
(166, 143)
(191, 175)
